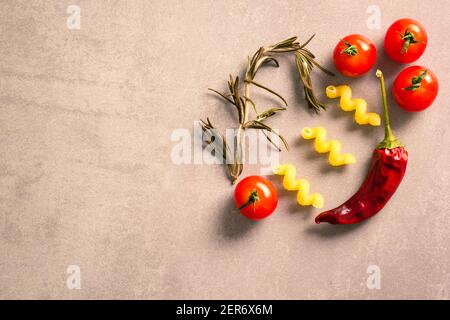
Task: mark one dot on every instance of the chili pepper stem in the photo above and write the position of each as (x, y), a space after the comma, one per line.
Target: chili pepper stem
(389, 141)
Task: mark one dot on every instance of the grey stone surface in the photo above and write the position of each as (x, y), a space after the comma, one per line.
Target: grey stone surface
(86, 176)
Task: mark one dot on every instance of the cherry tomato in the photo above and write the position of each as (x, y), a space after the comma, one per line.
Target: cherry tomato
(415, 88)
(354, 55)
(255, 197)
(405, 40)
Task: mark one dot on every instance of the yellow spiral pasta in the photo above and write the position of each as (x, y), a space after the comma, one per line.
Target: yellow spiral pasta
(332, 146)
(349, 104)
(301, 185)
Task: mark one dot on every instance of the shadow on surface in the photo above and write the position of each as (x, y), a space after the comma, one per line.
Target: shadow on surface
(232, 224)
(307, 212)
(326, 230)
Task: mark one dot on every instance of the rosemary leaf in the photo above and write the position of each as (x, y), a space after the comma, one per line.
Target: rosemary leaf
(267, 89)
(271, 141)
(255, 124)
(307, 42)
(252, 103)
(263, 61)
(268, 113)
(305, 63)
(226, 97)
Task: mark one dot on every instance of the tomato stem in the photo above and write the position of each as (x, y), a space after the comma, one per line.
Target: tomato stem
(408, 38)
(351, 50)
(389, 141)
(252, 199)
(416, 81)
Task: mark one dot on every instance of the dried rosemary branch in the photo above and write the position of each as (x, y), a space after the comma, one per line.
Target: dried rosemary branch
(242, 100)
(305, 63)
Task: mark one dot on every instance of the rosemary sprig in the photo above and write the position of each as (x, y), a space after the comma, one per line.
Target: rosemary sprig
(305, 62)
(242, 100)
(222, 151)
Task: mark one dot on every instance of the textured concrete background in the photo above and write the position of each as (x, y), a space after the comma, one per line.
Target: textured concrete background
(86, 176)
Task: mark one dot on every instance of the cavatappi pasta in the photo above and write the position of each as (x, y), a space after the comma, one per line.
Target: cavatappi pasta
(334, 147)
(290, 183)
(349, 104)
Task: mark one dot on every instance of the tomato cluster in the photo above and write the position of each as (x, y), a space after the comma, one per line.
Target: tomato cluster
(415, 88)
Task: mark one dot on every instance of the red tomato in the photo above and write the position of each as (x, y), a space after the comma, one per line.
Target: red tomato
(354, 55)
(405, 40)
(255, 197)
(415, 88)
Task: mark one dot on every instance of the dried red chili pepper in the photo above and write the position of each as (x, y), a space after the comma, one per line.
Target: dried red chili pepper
(386, 172)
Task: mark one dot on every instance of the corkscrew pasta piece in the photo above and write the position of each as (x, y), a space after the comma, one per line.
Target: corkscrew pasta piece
(290, 183)
(334, 147)
(349, 104)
